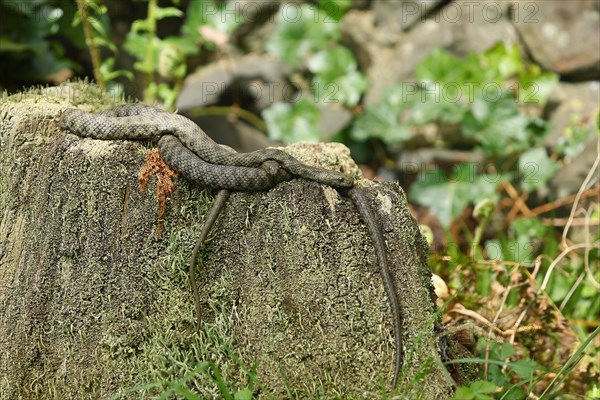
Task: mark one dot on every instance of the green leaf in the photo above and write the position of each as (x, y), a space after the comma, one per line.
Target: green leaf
(536, 86)
(524, 369)
(528, 227)
(293, 123)
(245, 394)
(136, 44)
(7, 45)
(527, 233)
(464, 393)
(439, 67)
(96, 25)
(448, 197)
(167, 12)
(535, 169)
(186, 393)
(481, 390)
(331, 63)
(187, 46)
(478, 390)
(506, 351)
(381, 120)
(108, 72)
(336, 68)
(300, 31)
(335, 9)
(99, 41)
(139, 25)
(514, 393)
(494, 251)
(497, 125)
(504, 58)
(573, 140)
(207, 12)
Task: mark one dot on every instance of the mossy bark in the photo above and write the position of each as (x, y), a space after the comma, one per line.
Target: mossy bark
(92, 302)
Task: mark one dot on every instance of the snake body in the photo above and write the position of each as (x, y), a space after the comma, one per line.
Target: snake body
(187, 149)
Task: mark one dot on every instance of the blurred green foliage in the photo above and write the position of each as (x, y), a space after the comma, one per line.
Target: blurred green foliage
(29, 40)
(307, 38)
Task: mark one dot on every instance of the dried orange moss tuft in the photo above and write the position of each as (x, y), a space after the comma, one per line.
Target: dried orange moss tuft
(155, 165)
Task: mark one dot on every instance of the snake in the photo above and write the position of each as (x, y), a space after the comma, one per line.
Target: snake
(215, 165)
(190, 151)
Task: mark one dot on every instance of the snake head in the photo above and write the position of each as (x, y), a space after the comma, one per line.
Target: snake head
(334, 179)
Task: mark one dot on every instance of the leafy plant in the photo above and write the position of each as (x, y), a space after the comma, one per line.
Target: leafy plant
(163, 60)
(306, 37)
(447, 196)
(482, 97)
(299, 32)
(291, 123)
(337, 68)
(96, 31)
(28, 41)
(478, 390)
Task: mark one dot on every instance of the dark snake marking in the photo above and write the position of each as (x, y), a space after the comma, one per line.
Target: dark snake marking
(187, 149)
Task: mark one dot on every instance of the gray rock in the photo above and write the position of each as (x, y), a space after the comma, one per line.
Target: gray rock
(256, 15)
(400, 15)
(360, 35)
(334, 117)
(570, 177)
(460, 27)
(252, 81)
(572, 103)
(562, 36)
(576, 105)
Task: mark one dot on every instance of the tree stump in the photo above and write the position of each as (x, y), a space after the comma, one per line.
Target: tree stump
(93, 302)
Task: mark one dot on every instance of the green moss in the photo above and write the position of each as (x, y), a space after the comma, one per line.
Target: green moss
(100, 304)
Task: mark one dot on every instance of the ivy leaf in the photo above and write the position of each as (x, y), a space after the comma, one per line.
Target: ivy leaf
(536, 168)
(291, 123)
(535, 86)
(207, 12)
(336, 68)
(527, 233)
(382, 120)
(439, 67)
(497, 125)
(573, 141)
(503, 59)
(298, 35)
(448, 197)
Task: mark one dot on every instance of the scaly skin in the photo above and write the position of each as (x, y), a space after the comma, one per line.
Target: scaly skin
(247, 170)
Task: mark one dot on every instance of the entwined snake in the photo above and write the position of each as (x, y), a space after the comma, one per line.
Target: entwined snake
(187, 149)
